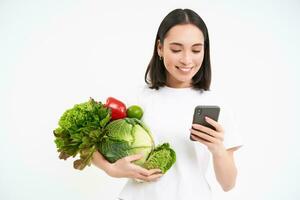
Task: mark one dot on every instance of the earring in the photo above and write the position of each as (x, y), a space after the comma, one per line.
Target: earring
(160, 57)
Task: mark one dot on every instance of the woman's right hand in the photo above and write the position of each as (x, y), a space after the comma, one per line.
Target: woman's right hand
(124, 168)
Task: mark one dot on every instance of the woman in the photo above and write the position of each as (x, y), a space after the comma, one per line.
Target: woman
(178, 78)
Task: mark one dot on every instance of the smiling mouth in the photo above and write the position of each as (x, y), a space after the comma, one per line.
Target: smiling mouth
(184, 69)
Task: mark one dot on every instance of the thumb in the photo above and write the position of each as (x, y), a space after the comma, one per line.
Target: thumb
(134, 157)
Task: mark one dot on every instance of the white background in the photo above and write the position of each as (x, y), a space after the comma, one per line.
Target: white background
(56, 53)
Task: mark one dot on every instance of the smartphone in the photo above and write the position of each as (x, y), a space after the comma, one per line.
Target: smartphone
(201, 111)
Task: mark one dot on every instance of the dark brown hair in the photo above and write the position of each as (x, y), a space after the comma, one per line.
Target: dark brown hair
(155, 75)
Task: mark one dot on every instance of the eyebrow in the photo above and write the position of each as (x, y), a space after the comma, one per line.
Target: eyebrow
(176, 43)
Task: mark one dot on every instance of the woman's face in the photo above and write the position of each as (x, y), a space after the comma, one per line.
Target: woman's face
(182, 53)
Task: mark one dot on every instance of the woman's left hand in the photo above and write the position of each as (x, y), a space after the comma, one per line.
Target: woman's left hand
(213, 139)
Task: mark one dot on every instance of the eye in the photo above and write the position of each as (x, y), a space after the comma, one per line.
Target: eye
(176, 51)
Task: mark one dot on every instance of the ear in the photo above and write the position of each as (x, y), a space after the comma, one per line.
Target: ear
(159, 48)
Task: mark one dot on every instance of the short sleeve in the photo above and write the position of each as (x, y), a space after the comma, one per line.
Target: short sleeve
(232, 136)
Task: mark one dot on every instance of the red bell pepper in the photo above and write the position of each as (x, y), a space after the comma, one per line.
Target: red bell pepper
(118, 108)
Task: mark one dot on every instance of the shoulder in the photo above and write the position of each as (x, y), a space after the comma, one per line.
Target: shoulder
(213, 97)
(209, 96)
(146, 91)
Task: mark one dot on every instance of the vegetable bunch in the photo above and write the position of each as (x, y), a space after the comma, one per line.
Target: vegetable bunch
(112, 130)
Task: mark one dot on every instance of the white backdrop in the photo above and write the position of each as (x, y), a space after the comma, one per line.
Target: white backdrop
(56, 53)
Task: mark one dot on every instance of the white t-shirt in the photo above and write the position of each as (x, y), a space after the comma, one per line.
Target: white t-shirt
(168, 112)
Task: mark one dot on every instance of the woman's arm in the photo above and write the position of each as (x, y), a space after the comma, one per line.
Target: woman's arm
(124, 168)
(225, 169)
(223, 159)
(100, 162)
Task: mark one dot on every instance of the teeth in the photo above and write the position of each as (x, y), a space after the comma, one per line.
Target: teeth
(185, 69)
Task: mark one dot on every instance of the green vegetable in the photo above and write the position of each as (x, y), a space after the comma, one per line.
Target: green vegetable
(135, 112)
(87, 127)
(125, 137)
(162, 157)
(79, 131)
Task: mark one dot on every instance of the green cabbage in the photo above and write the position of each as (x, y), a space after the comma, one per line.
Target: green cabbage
(126, 137)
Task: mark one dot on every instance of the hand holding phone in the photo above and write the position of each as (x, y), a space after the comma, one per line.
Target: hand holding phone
(201, 111)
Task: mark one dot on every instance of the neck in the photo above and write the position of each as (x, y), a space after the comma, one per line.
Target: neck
(177, 84)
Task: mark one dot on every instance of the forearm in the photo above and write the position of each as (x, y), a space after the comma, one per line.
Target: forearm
(100, 162)
(225, 169)
(123, 168)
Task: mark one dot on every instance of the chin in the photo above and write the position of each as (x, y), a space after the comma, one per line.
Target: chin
(185, 79)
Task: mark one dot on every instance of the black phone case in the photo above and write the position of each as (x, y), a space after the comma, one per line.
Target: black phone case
(201, 111)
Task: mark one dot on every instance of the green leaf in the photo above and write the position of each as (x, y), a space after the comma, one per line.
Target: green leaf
(80, 128)
(105, 119)
(77, 137)
(114, 149)
(162, 157)
(86, 156)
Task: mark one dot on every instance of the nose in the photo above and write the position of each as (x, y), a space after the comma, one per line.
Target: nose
(186, 58)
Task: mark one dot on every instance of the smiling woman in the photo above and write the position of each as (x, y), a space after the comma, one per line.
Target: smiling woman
(178, 79)
(56, 53)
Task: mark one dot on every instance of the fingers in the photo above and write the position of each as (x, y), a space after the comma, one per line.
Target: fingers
(138, 172)
(155, 171)
(215, 124)
(209, 131)
(213, 139)
(204, 129)
(142, 170)
(153, 177)
(132, 158)
(207, 143)
(147, 175)
(203, 136)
